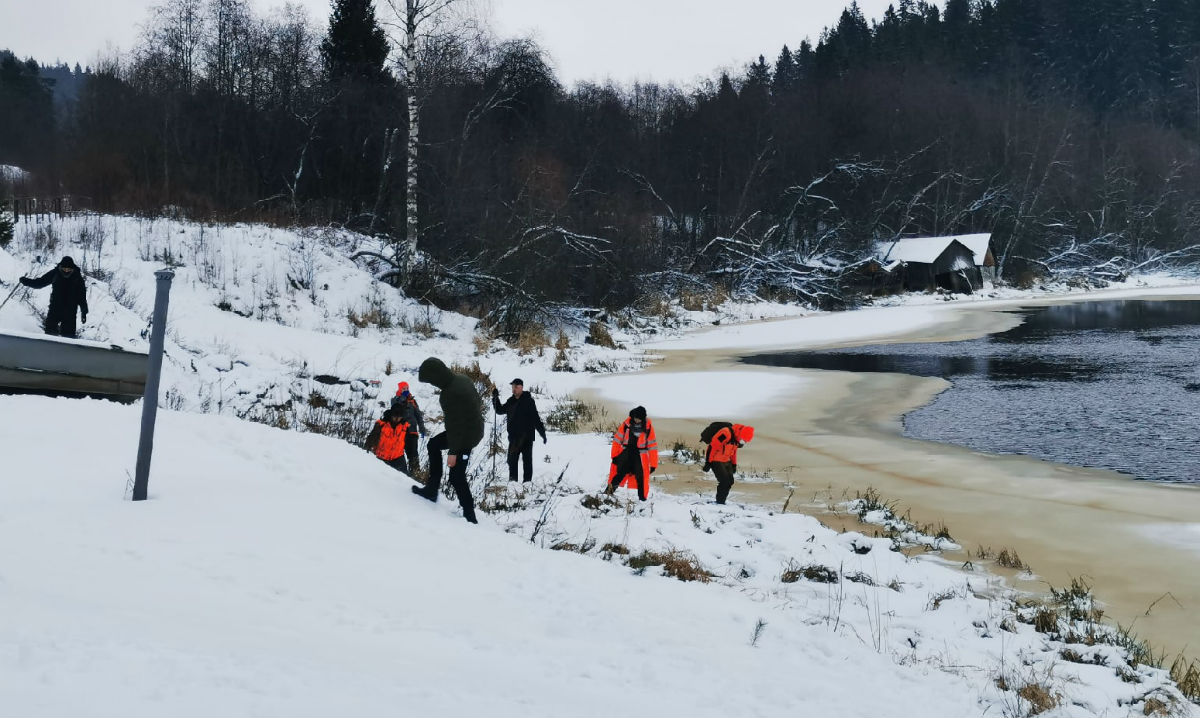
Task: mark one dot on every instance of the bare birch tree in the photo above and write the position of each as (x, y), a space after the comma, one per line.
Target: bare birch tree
(415, 23)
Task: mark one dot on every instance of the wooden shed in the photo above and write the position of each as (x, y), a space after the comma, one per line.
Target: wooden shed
(958, 263)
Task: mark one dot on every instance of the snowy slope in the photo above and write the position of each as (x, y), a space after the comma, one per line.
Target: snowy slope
(281, 572)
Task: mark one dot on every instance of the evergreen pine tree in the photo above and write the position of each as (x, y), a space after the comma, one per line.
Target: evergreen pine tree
(785, 78)
(356, 47)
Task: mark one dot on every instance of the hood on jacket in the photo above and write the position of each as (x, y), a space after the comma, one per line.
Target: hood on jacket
(434, 371)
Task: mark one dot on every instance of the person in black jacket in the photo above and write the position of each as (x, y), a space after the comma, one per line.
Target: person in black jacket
(66, 294)
(464, 430)
(523, 420)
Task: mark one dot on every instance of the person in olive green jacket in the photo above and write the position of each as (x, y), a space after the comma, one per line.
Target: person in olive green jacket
(463, 417)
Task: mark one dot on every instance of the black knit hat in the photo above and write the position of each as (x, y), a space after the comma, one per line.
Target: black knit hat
(68, 262)
(638, 412)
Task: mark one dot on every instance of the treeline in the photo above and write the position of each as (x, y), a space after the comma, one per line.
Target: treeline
(1068, 130)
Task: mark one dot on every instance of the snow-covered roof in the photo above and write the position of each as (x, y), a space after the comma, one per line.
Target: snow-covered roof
(927, 249)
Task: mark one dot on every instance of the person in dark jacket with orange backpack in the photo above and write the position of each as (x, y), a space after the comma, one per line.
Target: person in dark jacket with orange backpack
(67, 293)
(386, 440)
(724, 440)
(405, 405)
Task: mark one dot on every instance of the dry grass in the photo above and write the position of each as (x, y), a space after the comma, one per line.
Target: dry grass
(677, 563)
(1155, 707)
(1039, 698)
(860, 577)
(375, 316)
(420, 326)
(610, 549)
(681, 453)
(572, 416)
(1076, 601)
(482, 341)
(562, 361)
(708, 300)
(937, 599)
(588, 544)
(811, 572)
(599, 335)
(1187, 676)
(1045, 620)
(498, 499)
(596, 502)
(531, 340)
(1008, 558)
(482, 380)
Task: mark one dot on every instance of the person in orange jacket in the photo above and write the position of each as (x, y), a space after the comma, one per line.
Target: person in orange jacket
(634, 454)
(724, 440)
(386, 440)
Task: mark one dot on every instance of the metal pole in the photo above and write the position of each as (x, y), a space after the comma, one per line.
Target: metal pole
(158, 332)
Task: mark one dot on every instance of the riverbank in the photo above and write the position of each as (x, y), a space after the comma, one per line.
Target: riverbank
(827, 435)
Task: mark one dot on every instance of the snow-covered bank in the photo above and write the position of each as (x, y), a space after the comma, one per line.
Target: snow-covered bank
(279, 572)
(905, 314)
(292, 574)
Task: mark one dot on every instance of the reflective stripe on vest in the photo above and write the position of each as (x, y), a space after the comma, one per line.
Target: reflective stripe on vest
(643, 440)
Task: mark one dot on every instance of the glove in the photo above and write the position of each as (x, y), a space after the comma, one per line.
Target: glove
(543, 438)
(652, 468)
(495, 392)
(707, 466)
(25, 281)
(83, 319)
(735, 468)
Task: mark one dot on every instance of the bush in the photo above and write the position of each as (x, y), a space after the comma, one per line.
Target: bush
(531, 340)
(598, 334)
(679, 564)
(571, 416)
(812, 572)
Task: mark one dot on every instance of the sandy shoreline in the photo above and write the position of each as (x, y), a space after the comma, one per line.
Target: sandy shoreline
(836, 433)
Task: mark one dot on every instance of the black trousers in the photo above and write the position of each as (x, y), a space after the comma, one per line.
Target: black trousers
(411, 447)
(520, 448)
(60, 325)
(458, 476)
(398, 463)
(723, 470)
(630, 462)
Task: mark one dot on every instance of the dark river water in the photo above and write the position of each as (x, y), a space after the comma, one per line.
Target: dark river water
(1113, 385)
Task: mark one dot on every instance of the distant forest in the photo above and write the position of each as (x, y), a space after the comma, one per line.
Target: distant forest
(1069, 130)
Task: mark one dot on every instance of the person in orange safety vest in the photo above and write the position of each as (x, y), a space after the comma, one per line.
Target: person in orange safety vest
(386, 440)
(724, 440)
(634, 454)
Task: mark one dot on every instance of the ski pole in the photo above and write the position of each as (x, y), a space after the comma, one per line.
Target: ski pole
(18, 285)
(10, 294)
(495, 420)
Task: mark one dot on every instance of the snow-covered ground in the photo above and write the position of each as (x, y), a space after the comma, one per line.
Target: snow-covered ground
(279, 571)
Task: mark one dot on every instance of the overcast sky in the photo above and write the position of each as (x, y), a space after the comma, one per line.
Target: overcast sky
(663, 40)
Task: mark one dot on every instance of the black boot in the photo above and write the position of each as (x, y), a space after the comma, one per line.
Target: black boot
(425, 493)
